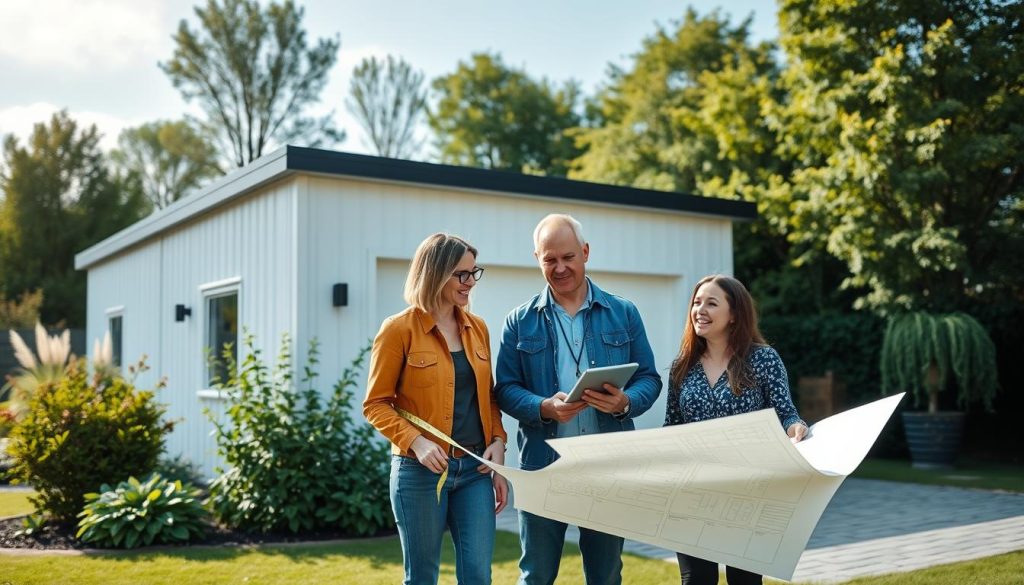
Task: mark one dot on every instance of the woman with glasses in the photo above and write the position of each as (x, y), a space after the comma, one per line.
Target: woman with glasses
(432, 361)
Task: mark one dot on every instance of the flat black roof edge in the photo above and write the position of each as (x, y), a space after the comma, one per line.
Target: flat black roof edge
(359, 165)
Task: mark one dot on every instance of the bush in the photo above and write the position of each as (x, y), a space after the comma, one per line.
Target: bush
(152, 511)
(81, 432)
(849, 345)
(179, 468)
(297, 462)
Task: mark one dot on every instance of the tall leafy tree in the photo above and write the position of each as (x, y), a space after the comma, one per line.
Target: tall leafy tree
(254, 74)
(58, 198)
(902, 125)
(687, 115)
(494, 116)
(169, 158)
(388, 100)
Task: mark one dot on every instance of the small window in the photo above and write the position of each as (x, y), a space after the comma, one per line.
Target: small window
(114, 325)
(222, 330)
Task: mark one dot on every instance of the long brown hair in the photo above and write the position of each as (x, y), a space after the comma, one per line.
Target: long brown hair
(744, 336)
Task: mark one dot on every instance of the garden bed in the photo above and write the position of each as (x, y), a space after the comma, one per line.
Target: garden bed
(52, 537)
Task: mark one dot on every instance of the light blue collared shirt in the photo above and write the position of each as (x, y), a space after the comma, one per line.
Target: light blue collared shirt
(585, 422)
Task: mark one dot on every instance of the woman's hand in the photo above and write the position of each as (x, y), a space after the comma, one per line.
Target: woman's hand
(494, 453)
(500, 493)
(796, 432)
(429, 454)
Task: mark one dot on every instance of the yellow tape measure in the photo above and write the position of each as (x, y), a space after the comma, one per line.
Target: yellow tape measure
(430, 429)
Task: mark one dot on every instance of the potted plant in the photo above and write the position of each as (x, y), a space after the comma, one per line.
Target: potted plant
(923, 354)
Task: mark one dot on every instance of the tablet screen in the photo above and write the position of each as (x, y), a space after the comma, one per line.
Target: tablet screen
(596, 378)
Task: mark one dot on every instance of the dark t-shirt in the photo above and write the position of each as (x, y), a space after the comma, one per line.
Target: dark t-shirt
(467, 429)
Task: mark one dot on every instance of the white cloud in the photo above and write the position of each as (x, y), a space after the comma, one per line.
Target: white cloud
(19, 121)
(82, 35)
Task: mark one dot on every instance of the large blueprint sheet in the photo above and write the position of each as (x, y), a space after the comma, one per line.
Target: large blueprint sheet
(733, 490)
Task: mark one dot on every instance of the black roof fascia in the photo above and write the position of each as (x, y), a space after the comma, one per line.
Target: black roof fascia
(330, 162)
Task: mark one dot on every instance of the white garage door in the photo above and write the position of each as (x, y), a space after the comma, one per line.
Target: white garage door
(660, 299)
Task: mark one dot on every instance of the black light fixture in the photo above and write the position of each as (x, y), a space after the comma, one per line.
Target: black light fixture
(181, 311)
(339, 294)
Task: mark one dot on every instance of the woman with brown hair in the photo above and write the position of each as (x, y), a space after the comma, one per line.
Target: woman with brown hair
(724, 367)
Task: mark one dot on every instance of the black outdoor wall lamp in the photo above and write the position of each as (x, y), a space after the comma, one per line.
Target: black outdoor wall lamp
(181, 311)
(339, 295)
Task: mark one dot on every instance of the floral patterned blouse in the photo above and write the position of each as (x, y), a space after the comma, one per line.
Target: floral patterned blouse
(698, 399)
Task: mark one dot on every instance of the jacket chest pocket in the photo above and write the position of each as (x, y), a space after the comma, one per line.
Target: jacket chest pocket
(421, 369)
(616, 346)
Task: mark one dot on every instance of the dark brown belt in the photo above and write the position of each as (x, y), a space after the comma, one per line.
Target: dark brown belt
(459, 453)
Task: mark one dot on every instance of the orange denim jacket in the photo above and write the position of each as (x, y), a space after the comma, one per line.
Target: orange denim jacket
(412, 369)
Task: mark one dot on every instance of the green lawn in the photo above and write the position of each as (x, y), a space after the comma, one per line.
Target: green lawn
(14, 503)
(372, 561)
(990, 476)
(379, 561)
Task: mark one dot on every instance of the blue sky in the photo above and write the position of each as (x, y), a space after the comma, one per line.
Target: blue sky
(98, 58)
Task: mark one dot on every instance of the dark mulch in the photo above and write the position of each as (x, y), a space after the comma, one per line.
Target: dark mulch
(52, 537)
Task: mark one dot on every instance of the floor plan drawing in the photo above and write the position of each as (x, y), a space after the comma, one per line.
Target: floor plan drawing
(733, 490)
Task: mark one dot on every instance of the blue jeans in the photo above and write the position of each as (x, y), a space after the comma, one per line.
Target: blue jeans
(542, 541)
(466, 509)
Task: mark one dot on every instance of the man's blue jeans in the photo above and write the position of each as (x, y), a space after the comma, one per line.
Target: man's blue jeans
(542, 541)
(466, 509)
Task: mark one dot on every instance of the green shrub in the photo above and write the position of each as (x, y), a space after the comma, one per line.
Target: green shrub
(142, 513)
(297, 462)
(179, 468)
(849, 345)
(81, 432)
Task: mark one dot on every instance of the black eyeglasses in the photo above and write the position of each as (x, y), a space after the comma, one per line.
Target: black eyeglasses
(463, 275)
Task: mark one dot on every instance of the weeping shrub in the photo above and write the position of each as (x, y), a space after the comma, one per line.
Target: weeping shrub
(297, 461)
(136, 513)
(922, 353)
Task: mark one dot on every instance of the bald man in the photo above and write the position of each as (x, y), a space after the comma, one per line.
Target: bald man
(546, 343)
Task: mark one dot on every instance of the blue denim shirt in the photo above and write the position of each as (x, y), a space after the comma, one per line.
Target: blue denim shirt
(526, 367)
(584, 423)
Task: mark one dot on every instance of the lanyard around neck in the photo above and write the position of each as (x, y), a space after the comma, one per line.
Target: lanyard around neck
(575, 358)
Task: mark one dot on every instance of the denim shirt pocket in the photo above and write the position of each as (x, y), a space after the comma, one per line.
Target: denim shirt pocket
(534, 358)
(616, 346)
(421, 368)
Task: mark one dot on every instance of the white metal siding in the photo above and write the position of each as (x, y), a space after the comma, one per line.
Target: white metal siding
(291, 241)
(252, 240)
(364, 233)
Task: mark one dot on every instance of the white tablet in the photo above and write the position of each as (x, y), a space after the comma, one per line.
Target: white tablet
(596, 378)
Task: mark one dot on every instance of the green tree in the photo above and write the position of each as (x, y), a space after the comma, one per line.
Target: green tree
(254, 75)
(902, 125)
(687, 115)
(494, 116)
(58, 199)
(388, 100)
(170, 158)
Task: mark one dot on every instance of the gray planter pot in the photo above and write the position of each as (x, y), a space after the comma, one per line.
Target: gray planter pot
(933, 439)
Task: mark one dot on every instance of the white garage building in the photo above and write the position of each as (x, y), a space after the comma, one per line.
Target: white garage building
(316, 243)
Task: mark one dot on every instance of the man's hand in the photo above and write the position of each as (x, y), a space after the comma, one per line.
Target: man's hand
(557, 409)
(612, 401)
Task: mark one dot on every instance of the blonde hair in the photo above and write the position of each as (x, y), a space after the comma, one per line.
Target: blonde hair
(432, 266)
(558, 218)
